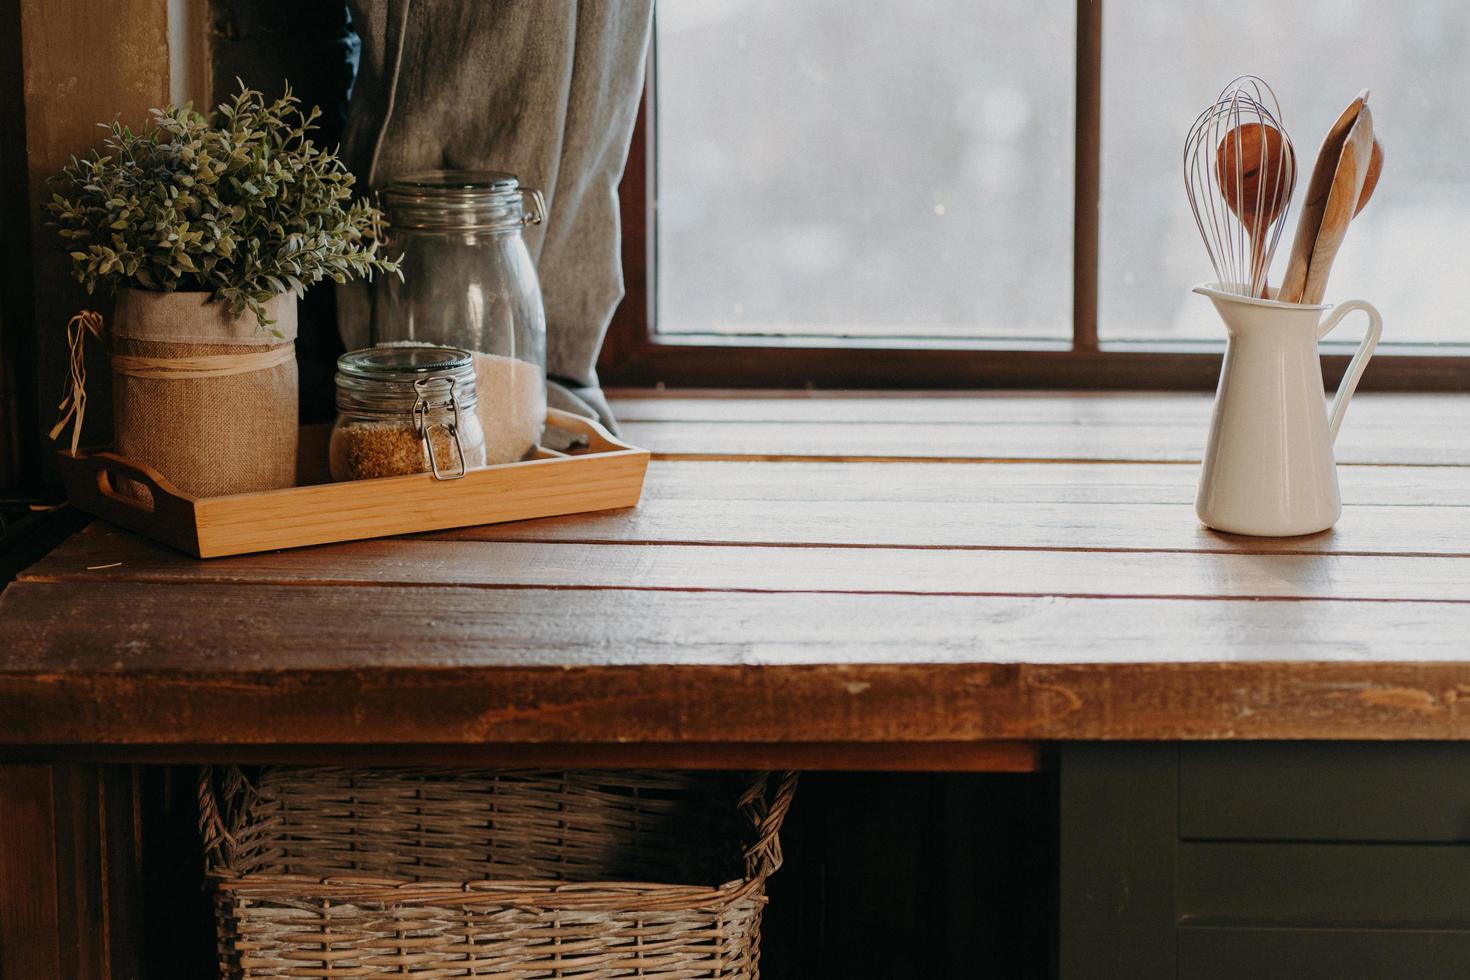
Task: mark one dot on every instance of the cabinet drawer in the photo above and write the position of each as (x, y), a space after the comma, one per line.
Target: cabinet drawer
(1324, 791)
(1322, 954)
(1342, 885)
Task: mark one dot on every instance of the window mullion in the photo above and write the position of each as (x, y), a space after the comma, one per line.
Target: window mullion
(1086, 175)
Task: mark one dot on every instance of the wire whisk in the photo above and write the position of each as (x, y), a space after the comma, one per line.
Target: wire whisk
(1239, 172)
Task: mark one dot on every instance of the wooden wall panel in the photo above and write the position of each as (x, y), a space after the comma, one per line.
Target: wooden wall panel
(82, 63)
(19, 433)
(29, 907)
(71, 873)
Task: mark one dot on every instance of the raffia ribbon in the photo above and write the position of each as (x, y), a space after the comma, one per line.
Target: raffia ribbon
(73, 407)
(205, 366)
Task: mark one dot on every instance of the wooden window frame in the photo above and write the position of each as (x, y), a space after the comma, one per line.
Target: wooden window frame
(636, 354)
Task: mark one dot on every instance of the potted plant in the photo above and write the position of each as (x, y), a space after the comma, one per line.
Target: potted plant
(208, 233)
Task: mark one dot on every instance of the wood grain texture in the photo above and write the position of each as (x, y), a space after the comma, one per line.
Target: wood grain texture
(1156, 442)
(997, 756)
(1066, 527)
(71, 872)
(138, 627)
(754, 607)
(1342, 203)
(1094, 408)
(30, 910)
(125, 71)
(1018, 482)
(983, 523)
(1379, 428)
(302, 664)
(108, 556)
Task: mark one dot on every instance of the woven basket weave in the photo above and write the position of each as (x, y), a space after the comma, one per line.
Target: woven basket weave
(516, 875)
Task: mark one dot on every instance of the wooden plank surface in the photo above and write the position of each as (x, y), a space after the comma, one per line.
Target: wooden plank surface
(1118, 408)
(879, 441)
(751, 604)
(1063, 527)
(1069, 483)
(107, 555)
(1069, 507)
(138, 627)
(989, 756)
(266, 663)
(1379, 429)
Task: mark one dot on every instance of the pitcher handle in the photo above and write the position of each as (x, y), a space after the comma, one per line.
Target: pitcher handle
(1359, 362)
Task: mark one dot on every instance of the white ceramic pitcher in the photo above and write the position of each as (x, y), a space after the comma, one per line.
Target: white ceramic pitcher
(1269, 468)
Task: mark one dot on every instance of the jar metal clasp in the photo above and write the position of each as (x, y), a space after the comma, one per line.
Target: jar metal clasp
(535, 213)
(425, 428)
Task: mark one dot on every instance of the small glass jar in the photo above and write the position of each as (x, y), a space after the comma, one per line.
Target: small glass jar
(403, 410)
(469, 282)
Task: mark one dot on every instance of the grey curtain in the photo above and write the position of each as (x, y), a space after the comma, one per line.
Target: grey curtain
(544, 89)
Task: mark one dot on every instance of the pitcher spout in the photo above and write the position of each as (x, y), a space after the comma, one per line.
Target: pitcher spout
(1276, 321)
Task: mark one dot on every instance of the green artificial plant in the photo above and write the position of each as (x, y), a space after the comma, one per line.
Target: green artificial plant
(246, 208)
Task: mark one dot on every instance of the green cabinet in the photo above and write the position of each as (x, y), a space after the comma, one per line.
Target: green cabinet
(1208, 861)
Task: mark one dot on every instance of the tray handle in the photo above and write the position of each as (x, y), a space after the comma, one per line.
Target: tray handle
(599, 440)
(92, 484)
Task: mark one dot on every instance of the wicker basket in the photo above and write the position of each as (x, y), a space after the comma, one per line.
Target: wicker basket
(432, 873)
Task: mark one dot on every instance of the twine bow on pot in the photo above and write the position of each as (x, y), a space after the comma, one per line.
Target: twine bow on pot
(73, 407)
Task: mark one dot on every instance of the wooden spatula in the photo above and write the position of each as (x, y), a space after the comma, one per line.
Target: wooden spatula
(1347, 187)
(1319, 188)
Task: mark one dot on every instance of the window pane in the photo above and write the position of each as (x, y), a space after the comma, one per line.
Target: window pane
(865, 168)
(1405, 253)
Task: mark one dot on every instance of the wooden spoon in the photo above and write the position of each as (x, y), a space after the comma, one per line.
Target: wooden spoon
(1342, 203)
(1256, 169)
(1375, 168)
(1318, 188)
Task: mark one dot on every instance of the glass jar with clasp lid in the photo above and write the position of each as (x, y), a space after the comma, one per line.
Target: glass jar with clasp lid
(468, 281)
(403, 410)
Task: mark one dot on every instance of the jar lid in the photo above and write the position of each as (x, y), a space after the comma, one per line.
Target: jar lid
(450, 181)
(461, 200)
(403, 362)
(394, 378)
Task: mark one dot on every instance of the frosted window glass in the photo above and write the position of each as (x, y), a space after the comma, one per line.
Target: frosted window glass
(1164, 62)
(865, 168)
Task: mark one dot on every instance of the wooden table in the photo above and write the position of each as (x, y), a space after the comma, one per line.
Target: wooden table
(892, 582)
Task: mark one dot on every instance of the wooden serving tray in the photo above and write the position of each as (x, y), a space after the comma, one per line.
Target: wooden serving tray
(605, 475)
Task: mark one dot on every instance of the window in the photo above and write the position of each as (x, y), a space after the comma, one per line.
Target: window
(977, 193)
(910, 176)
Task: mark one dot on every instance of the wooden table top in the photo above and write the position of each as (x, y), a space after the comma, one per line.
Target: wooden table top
(892, 578)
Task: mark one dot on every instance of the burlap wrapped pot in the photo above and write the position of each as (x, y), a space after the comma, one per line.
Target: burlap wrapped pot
(207, 399)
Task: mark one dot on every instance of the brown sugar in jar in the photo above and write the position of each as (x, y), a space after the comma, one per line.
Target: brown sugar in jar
(405, 410)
